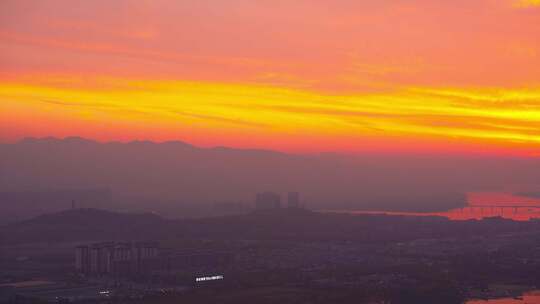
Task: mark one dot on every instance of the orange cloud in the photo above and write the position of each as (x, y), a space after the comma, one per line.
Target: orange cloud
(527, 3)
(500, 117)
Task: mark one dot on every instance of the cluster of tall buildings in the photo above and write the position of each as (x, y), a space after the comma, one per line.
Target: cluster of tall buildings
(116, 258)
(125, 259)
(271, 200)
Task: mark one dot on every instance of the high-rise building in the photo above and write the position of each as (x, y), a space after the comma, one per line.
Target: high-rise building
(141, 253)
(267, 201)
(293, 200)
(82, 259)
(101, 257)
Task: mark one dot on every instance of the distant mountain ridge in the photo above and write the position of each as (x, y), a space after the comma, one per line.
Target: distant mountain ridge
(177, 143)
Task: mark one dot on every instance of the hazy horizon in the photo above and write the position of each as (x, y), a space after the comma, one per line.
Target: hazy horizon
(181, 179)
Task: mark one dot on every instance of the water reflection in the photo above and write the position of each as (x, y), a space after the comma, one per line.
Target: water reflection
(532, 297)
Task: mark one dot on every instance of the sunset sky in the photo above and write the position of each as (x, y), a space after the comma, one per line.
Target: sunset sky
(403, 76)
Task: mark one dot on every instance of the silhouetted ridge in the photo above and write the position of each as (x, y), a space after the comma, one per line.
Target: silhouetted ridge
(285, 224)
(85, 224)
(91, 216)
(81, 140)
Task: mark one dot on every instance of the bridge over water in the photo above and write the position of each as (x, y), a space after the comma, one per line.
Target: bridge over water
(495, 208)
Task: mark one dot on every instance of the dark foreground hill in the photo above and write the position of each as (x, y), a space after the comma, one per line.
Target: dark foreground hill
(84, 224)
(294, 225)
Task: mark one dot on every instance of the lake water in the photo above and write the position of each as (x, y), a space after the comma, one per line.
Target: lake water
(532, 297)
(480, 205)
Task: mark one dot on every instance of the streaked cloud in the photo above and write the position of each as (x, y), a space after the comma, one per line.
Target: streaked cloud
(500, 116)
